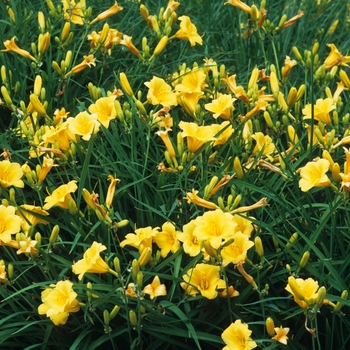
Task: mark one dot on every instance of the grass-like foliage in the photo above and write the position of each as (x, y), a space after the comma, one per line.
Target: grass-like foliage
(174, 175)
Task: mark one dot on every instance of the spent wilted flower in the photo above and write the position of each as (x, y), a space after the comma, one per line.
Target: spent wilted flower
(188, 31)
(304, 291)
(281, 335)
(91, 261)
(10, 223)
(160, 93)
(238, 337)
(335, 58)
(203, 279)
(11, 46)
(10, 174)
(58, 301)
(167, 240)
(61, 196)
(155, 289)
(321, 110)
(313, 174)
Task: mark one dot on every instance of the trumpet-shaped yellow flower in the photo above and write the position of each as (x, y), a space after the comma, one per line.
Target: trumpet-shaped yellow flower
(91, 262)
(263, 143)
(321, 110)
(142, 238)
(88, 61)
(11, 46)
(238, 337)
(239, 4)
(335, 58)
(308, 289)
(189, 100)
(61, 196)
(203, 279)
(155, 289)
(221, 107)
(104, 109)
(281, 335)
(244, 225)
(29, 217)
(238, 90)
(160, 93)
(190, 243)
(10, 223)
(192, 197)
(188, 31)
(313, 174)
(108, 13)
(167, 240)
(58, 301)
(48, 164)
(222, 132)
(196, 135)
(84, 124)
(193, 81)
(127, 41)
(73, 11)
(10, 174)
(215, 227)
(236, 251)
(60, 135)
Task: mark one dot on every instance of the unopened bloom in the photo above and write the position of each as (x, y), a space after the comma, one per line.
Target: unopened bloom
(238, 337)
(321, 110)
(11, 46)
(281, 335)
(313, 174)
(111, 190)
(221, 107)
(61, 196)
(203, 279)
(306, 288)
(10, 174)
(239, 4)
(188, 31)
(10, 223)
(160, 93)
(167, 240)
(91, 262)
(335, 58)
(58, 301)
(155, 289)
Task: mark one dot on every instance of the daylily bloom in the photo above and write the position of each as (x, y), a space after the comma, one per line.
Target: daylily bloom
(188, 31)
(222, 132)
(313, 174)
(292, 20)
(238, 91)
(142, 238)
(321, 110)
(197, 136)
(160, 93)
(91, 262)
(111, 190)
(10, 174)
(239, 4)
(190, 243)
(172, 6)
(108, 13)
(203, 279)
(215, 227)
(48, 164)
(88, 61)
(335, 58)
(26, 245)
(10, 223)
(237, 337)
(11, 46)
(260, 105)
(221, 107)
(263, 143)
(192, 197)
(61, 196)
(167, 240)
(281, 335)
(127, 41)
(304, 291)
(189, 100)
(84, 124)
(58, 301)
(244, 225)
(155, 289)
(288, 64)
(73, 11)
(60, 135)
(29, 217)
(193, 81)
(104, 109)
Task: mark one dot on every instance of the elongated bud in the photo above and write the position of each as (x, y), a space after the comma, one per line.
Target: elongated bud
(293, 137)
(6, 96)
(336, 173)
(88, 199)
(297, 53)
(41, 20)
(303, 261)
(161, 46)
(135, 268)
(106, 318)
(344, 78)
(133, 318)
(10, 271)
(337, 308)
(315, 48)
(270, 327)
(37, 85)
(253, 78)
(123, 223)
(274, 84)
(301, 92)
(3, 74)
(145, 257)
(268, 120)
(116, 264)
(259, 246)
(144, 12)
(56, 68)
(238, 168)
(292, 96)
(43, 43)
(37, 105)
(125, 84)
(141, 108)
(321, 294)
(209, 249)
(295, 288)
(54, 235)
(254, 13)
(65, 31)
(292, 239)
(114, 312)
(89, 291)
(139, 280)
(208, 188)
(37, 237)
(12, 195)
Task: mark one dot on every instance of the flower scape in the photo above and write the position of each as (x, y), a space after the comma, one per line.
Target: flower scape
(174, 174)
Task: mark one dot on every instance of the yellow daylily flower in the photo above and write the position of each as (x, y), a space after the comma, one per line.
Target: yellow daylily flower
(11, 46)
(238, 336)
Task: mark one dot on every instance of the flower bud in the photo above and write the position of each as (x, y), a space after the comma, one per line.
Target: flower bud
(125, 84)
(209, 249)
(321, 294)
(54, 235)
(10, 271)
(160, 47)
(106, 318)
(344, 78)
(135, 267)
(295, 288)
(297, 53)
(145, 256)
(238, 168)
(337, 308)
(65, 31)
(6, 96)
(303, 261)
(114, 312)
(259, 247)
(133, 318)
(336, 173)
(270, 327)
(144, 12)
(292, 240)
